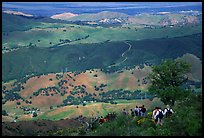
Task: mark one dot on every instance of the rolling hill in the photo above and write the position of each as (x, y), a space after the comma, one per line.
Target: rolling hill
(12, 23)
(161, 19)
(61, 95)
(48, 63)
(97, 16)
(68, 66)
(102, 55)
(21, 31)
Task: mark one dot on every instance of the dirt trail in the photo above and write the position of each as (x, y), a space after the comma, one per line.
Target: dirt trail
(117, 64)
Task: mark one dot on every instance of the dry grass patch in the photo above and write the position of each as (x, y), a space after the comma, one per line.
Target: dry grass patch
(44, 101)
(35, 83)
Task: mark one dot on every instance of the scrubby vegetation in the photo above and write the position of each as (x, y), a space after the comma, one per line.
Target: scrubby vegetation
(186, 121)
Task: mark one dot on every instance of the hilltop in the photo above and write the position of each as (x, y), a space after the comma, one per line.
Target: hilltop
(63, 16)
(94, 16)
(17, 13)
(160, 18)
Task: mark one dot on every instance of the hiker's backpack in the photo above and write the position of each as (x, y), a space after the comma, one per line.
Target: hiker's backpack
(168, 113)
(160, 115)
(143, 110)
(137, 111)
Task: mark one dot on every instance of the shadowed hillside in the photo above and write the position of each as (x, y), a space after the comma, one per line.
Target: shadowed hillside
(89, 56)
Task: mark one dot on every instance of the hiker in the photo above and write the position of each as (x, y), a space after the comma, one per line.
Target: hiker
(125, 112)
(139, 109)
(136, 111)
(107, 118)
(168, 111)
(113, 115)
(157, 115)
(132, 112)
(110, 116)
(142, 111)
(101, 120)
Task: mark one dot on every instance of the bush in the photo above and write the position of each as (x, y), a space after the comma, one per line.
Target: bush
(186, 121)
(35, 114)
(4, 113)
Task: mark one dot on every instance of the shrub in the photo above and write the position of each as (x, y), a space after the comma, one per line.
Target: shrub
(4, 113)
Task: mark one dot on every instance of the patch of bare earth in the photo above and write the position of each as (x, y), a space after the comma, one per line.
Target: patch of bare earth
(88, 80)
(119, 82)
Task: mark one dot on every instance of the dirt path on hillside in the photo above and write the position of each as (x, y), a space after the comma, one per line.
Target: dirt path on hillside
(117, 64)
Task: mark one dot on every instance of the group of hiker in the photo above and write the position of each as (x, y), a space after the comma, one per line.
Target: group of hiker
(110, 116)
(157, 115)
(137, 111)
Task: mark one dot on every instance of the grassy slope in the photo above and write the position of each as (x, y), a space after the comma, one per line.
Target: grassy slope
(50, 33)
(87, 78)
(153, 51)
(91, 109)
(16, 23)
(25, 61)
(196, 66)
(114, 81)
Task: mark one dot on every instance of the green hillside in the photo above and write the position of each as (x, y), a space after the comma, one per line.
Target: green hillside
(12, 23)
(52, 34)
(36, 60)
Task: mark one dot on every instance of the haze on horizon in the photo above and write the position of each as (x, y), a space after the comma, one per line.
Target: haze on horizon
(51, 8)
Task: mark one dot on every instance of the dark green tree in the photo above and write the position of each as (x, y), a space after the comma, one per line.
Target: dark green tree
(167, 79)
(35, 114)
(4, 113)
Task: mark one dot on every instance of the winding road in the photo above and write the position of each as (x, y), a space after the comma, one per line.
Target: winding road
(130, 46)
